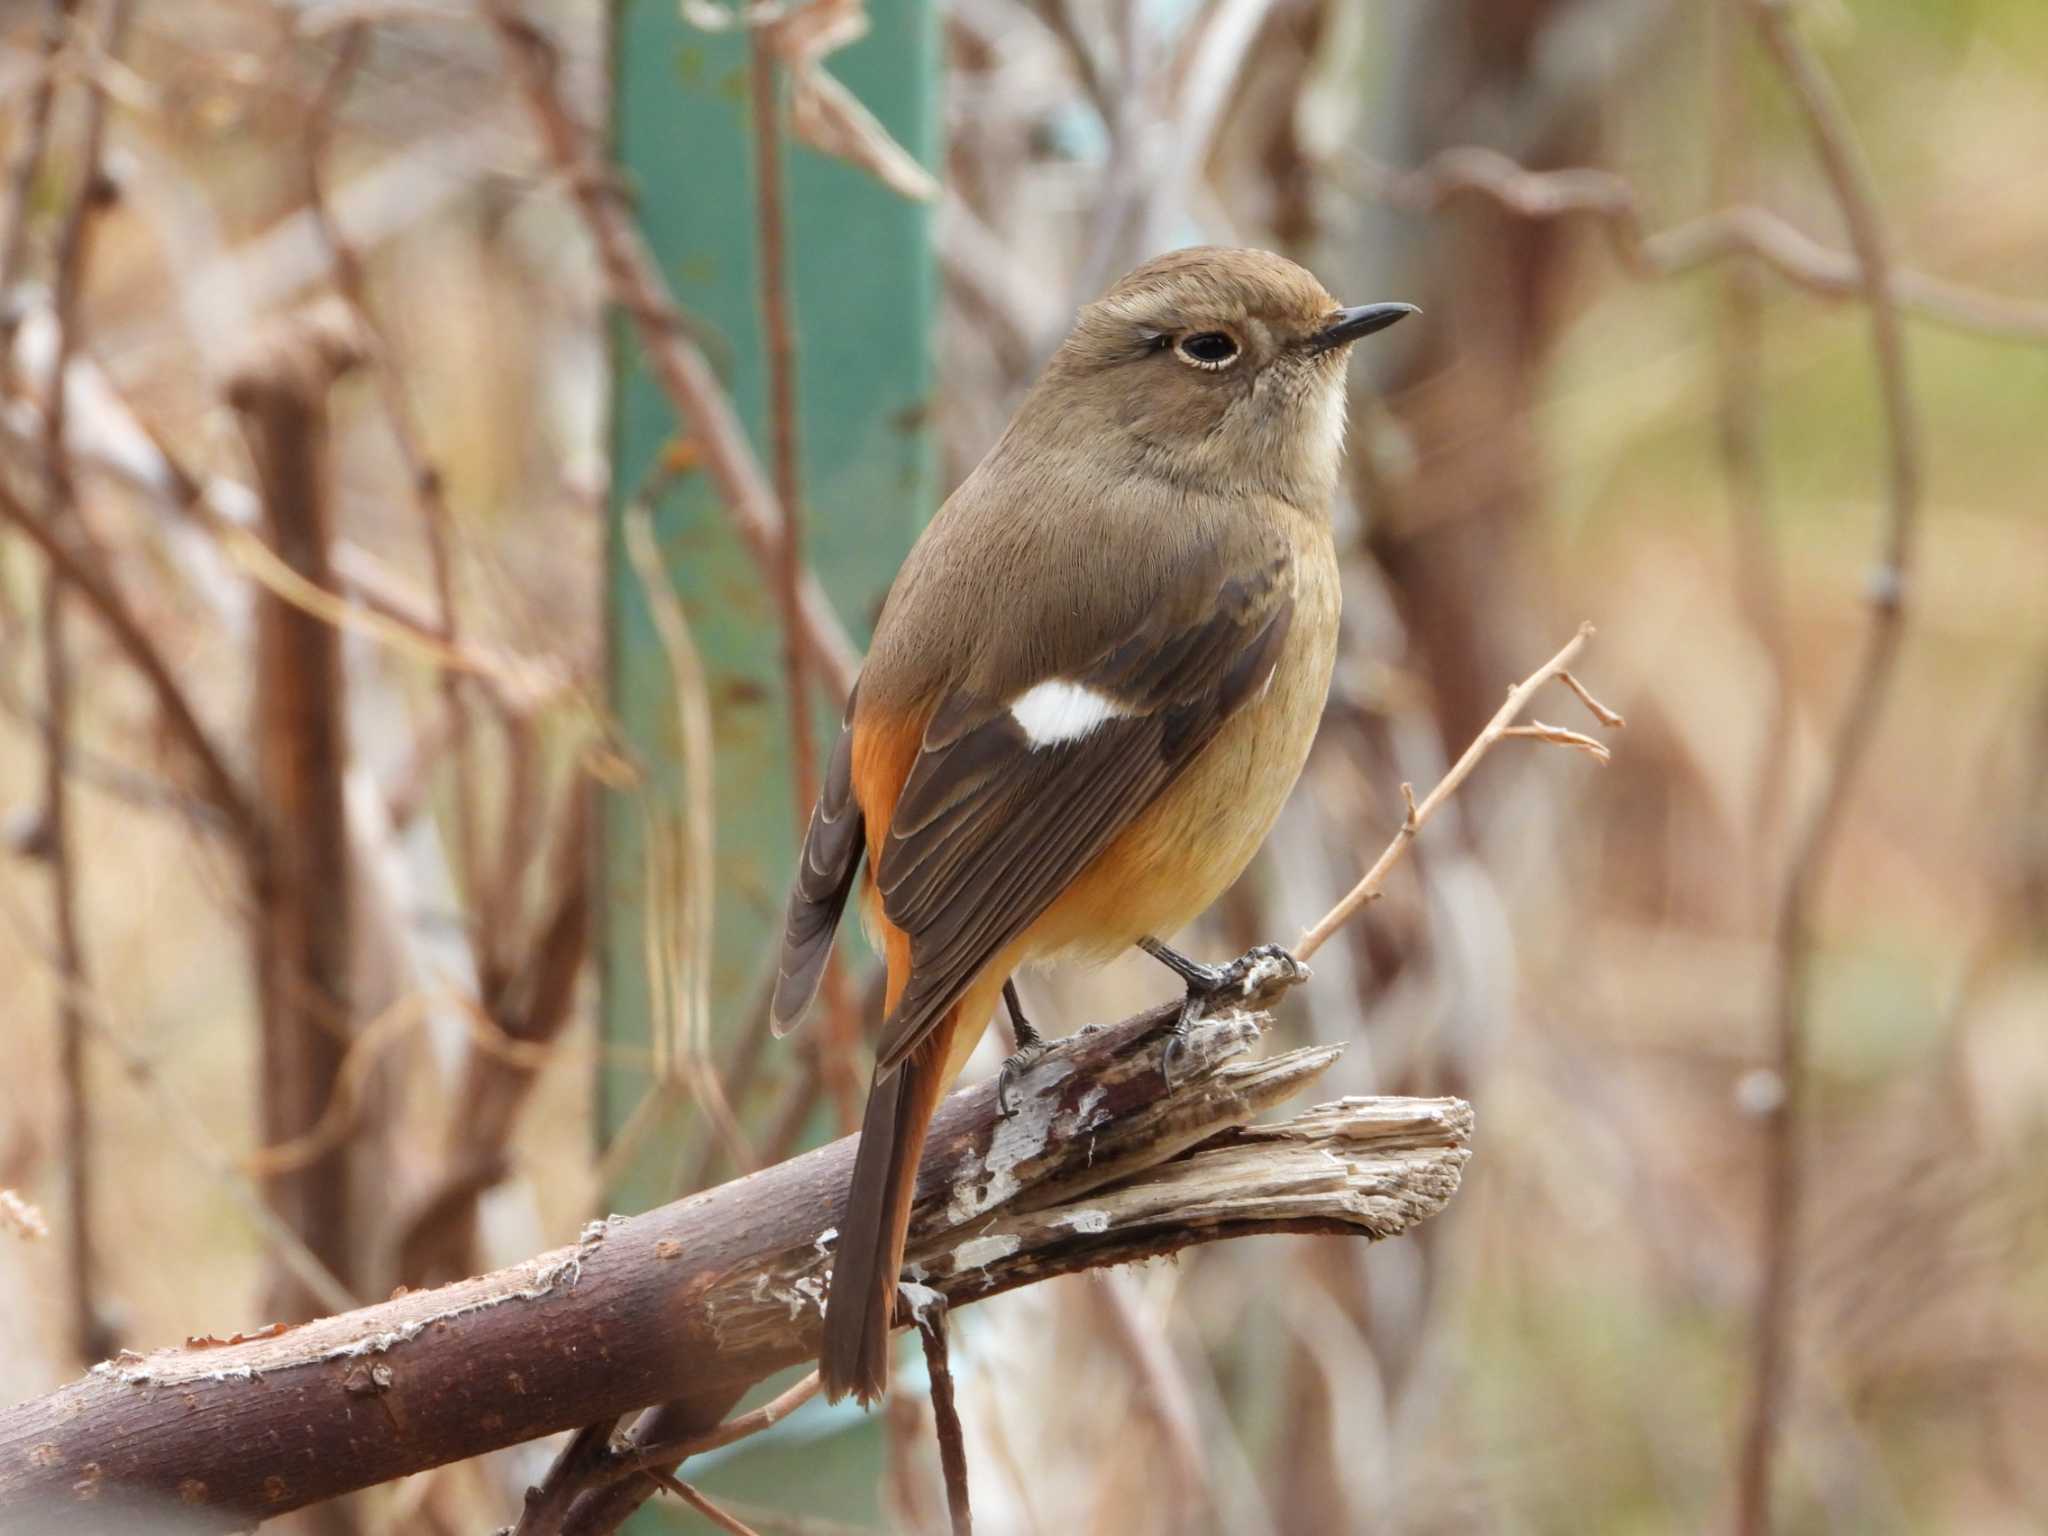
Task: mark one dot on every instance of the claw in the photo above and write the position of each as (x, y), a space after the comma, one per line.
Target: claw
(1030, 1046)
(1015, 1065)
(1177, 1037)
(1257, 973)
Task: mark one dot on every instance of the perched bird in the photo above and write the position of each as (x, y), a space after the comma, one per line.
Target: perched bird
(1093, 684)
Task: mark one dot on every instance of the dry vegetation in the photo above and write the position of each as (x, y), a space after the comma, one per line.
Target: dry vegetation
(1705, 430)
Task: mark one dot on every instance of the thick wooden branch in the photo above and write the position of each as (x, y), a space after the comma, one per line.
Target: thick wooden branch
(705, 1297)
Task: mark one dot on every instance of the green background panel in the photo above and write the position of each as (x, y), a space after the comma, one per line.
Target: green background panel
(863, 282)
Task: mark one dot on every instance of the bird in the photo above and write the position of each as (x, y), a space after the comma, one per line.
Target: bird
(1091, 687)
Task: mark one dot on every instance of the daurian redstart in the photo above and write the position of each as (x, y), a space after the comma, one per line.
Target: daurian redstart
(1093, 684)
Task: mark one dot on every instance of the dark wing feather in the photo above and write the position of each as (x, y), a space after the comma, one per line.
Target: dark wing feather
(833, 845)
(988, 830)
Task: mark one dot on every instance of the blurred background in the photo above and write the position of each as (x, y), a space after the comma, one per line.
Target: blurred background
(435, 925)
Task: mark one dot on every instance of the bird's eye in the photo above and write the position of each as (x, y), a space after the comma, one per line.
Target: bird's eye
(1208, 349)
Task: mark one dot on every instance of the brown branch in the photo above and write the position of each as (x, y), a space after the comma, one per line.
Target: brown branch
(605, 1503)
(710, 1511)
(679, 367)
(526, 1010)
(92, 1338)
(1742, 230)
(701, 1299)
(779, 331)
(32, 141)
(219, 786)
(301, 917)
(1501, 725)
(1848, 176)
(187, 1130)
(931, 1328)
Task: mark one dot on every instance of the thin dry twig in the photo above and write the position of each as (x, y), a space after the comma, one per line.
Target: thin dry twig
(678, 949)
(1557, 735)
(931, 1329)
(1502, 724)
(189, 1130)
(1741, 230)
(679, 366)
(218, 784)
(1849, 179)
(698, 1502)
(32, 142)
(673, 1452)
(571, 1473)
(771, 218)
(91, 1339)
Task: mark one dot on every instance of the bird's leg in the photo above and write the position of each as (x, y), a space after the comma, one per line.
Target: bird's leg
(1256, 972)
(1030, 1046)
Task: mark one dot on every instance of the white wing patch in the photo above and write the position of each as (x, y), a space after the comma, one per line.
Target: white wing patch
(1057, 710)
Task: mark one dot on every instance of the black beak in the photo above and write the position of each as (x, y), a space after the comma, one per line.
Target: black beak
(1347, 325)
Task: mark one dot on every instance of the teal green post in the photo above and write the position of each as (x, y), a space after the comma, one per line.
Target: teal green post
(862, 270)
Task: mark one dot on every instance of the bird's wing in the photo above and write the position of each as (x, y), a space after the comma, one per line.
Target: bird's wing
(1009, 799)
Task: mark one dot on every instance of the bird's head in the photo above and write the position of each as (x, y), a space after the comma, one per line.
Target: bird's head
(1221, 369)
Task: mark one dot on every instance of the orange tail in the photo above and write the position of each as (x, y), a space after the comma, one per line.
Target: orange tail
(862, 1302)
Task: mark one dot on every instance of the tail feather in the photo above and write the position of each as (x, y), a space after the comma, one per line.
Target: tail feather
(854, 1356)
(833, 845)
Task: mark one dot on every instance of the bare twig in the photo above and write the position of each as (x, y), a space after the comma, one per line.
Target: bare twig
(752, 1422)
(679, 367)
(679, 944)
(90, 1337)
(547, 1507)
(515, 1027)
(1060, 21)
(1502, 724)
(931, 1328)
(216, 781)
(1754, 231)
(779, 330)
(710, 1511)
(189, 1131)
(606, 1503)
(423, 477)
(32, 142)
(1849, 179)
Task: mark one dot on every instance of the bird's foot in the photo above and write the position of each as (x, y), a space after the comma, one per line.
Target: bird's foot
(1259, 973)
(1030, 1046)
(1015, 1065)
